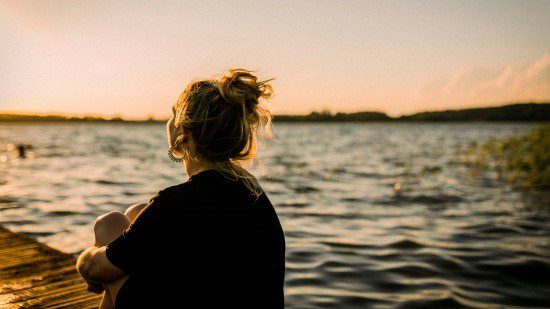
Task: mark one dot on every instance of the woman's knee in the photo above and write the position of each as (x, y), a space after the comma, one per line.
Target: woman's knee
(133, 211)
(110, 219)
(109, 226)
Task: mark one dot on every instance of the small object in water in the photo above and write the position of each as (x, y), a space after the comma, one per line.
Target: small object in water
(21, 151)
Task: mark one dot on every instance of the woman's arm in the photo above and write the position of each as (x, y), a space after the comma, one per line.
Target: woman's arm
(123, 241)
(94, 266)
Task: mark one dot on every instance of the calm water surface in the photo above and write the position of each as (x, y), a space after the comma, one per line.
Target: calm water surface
(375, 215)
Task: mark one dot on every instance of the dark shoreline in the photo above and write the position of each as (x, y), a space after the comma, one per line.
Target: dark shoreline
(528, 112)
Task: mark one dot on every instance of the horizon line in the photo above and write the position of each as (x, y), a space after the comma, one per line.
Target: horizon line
(150, 118)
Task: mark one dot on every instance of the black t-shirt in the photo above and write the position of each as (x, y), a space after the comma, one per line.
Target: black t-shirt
(205, 243)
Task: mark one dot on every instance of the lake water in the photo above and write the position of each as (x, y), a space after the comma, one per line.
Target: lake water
(375, 215)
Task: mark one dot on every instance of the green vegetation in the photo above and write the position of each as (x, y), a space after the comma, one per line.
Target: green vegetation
(522, 160)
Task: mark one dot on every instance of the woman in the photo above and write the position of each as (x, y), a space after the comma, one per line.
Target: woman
(213, 241)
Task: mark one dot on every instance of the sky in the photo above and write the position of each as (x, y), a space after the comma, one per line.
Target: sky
(134, 58)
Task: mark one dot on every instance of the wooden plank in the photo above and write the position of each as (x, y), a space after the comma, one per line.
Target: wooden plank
(33, 275)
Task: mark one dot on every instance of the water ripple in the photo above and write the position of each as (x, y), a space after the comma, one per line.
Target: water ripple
(375, 215)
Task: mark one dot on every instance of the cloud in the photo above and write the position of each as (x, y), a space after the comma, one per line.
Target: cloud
(519, 80)
(525, 81)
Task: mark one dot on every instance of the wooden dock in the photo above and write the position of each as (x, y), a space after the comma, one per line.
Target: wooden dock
(33, 275)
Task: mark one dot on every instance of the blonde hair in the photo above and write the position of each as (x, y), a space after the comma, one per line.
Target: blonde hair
(224, 117)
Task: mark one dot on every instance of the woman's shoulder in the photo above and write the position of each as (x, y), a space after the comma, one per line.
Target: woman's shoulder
(209, 185)
(197, 184)
(184, 188)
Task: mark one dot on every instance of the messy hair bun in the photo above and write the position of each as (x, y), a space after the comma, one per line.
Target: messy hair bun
(243, 88)
(224, 117)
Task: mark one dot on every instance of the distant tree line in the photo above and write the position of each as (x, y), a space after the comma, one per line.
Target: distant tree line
(326, 116)
(57, 118)
(513, 112)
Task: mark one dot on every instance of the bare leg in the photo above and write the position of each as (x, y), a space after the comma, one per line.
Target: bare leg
(107, 228)
(106, 301)
(133, 211)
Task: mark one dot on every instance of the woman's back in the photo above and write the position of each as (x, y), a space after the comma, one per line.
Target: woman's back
(207, 242)
(212, 242)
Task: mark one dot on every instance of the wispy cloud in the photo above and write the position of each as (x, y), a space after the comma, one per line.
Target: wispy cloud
(525, 81)
(518, 80)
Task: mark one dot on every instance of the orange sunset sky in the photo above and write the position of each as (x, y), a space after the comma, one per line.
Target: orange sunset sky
(133, 58)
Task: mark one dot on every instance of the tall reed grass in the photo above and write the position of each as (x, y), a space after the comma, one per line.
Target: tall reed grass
(522, 160)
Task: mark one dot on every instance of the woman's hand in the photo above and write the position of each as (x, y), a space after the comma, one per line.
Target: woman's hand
(94, 266)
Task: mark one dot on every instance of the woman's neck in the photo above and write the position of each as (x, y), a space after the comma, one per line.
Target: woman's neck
(193, 167)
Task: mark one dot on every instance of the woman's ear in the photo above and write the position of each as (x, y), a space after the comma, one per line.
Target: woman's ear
(179, 142)
(184, 139)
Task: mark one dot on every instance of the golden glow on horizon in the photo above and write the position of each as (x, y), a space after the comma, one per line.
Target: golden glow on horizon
(132, 60)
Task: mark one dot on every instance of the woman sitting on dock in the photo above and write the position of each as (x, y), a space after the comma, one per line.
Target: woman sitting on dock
(214, 241)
